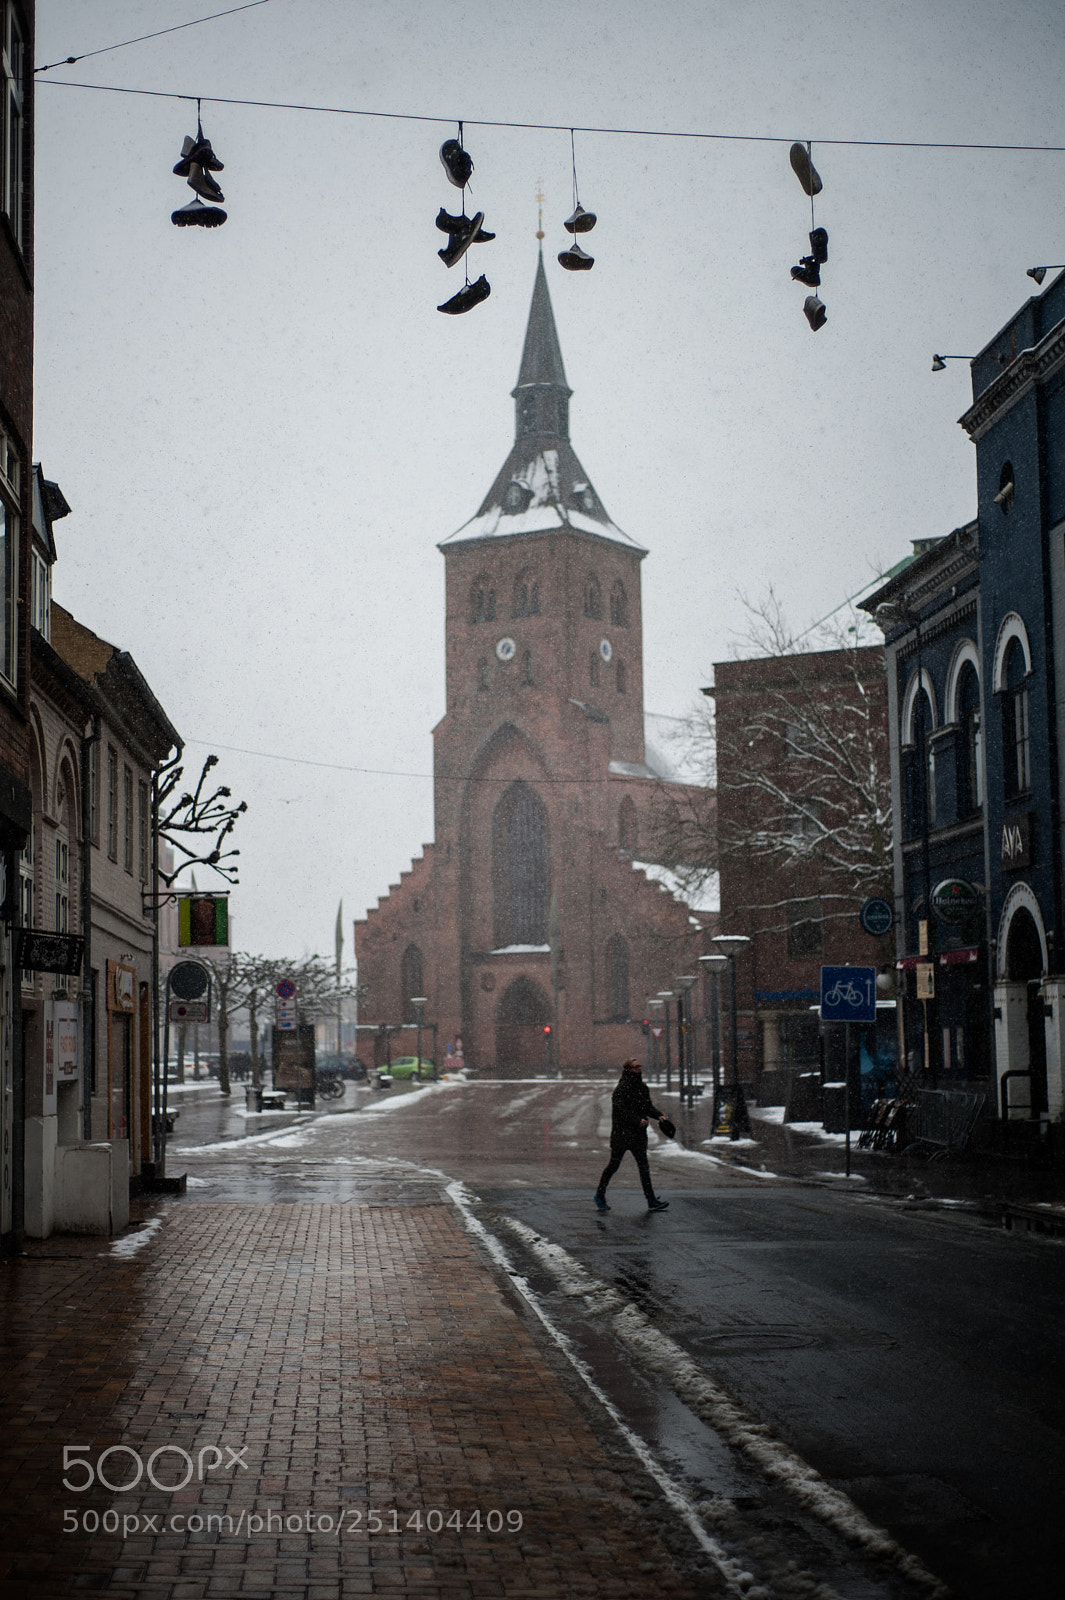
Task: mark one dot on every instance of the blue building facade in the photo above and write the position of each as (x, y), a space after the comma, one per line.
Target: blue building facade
(974, 631)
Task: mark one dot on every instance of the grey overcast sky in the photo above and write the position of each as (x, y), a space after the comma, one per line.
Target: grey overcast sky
(265, 429)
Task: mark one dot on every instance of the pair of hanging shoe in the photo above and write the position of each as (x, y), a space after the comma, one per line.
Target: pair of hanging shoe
(463, 232)
(574, 259)
(196, 164)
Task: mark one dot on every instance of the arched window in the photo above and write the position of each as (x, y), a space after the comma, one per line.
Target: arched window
(411, 981)
(519, 867)
(970, 743)
(622, 678)
(617, 965)
(482, 600)
(525, 601)
(619, 605)
(593, 669)
(1016, 726)
(921, 770)
(482, 674)
(627, 831)
(593, 597)
(526, 663)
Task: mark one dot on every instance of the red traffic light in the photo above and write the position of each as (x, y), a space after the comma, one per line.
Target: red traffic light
(547, 1027)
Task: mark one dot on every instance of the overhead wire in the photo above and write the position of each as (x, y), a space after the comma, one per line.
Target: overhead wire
(69, 61)
(554, 127)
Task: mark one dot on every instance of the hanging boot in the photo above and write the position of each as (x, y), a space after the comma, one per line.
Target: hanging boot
(467, 298)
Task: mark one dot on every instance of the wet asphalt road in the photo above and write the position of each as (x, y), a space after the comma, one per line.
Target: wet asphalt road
(911, 1355)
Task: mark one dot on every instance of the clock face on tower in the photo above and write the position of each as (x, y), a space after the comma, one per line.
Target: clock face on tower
(505, 649)
(605, 649)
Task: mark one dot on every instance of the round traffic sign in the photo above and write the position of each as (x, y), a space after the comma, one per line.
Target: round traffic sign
(876, 916)
(286, 988)
(189, 980)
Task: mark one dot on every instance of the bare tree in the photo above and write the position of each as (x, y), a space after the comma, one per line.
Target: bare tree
(795, 740)
(205, 818)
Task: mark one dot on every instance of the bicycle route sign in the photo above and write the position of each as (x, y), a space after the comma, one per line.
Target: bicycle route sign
(848, 994)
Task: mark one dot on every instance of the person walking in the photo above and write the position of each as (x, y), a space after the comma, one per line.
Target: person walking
(631, 1111)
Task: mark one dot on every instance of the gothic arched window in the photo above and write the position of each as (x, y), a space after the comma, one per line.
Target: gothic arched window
(1016, 728)
(519, 867)
(411, 981)
(970, 748)
(593, 596)
(527, 672)
(623, 681)
(617, 961)
(526, 597)
(593, 669)
(482, 600)
(619, 605)
(627, 832)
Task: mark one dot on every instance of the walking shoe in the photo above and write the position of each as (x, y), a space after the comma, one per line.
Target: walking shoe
(581, 221)
(657, 1205)
(814, 312)
(467, 298)
(575, 259)
(600, 1202)
(200, 180)
(197, 151)
(197, 215)
(807, 272)
(805, 170)
(457, 164)
(461, 239)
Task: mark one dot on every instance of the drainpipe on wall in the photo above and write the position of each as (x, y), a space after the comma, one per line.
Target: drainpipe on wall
(88, 994)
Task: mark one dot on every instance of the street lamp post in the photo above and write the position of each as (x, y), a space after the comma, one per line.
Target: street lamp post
(687, 1051)
(715, 966)
(418, 1001)
(730, 945)
(665, 996)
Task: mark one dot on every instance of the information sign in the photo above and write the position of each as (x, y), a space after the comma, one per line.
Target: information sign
(876, 916)
(848, 994)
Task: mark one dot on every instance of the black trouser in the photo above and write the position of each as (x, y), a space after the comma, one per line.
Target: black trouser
(638, 1145)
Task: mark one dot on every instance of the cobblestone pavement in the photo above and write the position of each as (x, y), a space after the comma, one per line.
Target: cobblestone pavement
(357, 1404)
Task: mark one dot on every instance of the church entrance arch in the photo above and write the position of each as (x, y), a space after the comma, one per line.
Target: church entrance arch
(521, 1016)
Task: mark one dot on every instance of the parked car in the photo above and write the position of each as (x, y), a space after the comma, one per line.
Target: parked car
(347, 1066)
(407, 1067)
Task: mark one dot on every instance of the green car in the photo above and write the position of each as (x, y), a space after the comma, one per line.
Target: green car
(407, 1067)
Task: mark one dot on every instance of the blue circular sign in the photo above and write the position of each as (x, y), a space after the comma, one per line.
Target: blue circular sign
(877, 916)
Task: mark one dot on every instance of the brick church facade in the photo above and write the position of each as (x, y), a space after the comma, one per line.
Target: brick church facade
(533, 906)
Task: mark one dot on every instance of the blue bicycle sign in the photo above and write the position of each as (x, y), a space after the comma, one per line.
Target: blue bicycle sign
(848, 994)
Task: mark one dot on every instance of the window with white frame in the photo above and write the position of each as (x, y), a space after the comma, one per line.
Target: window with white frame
(10, 490)
(13, 72)
(142, 831)
(127, 818)
(41, 596)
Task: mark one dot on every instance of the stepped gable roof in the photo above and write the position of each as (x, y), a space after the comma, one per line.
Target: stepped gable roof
(542, 485)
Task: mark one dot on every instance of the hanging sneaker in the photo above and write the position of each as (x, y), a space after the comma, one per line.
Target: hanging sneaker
(575, 259)
(449, 224)
(188, 145)
(197, 215)
(807, 272)
(202, 153)
(814, 312)
(819, 245)
(457, 164)
(461, 239)
(805, 170)
(467, 298)
(581, 221)
(203, 183)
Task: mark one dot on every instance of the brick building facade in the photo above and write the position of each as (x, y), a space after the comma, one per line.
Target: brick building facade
(804, 827)
(530, 909)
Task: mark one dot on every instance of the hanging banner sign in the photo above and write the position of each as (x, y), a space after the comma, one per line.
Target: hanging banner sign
(49, 952)
(203, 919)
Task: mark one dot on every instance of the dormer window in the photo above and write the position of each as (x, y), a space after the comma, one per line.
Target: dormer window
(583, 497)
(516, 497)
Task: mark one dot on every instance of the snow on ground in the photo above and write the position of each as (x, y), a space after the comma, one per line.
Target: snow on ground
(132, 1242)
(394, 1101)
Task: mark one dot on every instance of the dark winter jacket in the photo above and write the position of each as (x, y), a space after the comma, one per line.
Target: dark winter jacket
(631, 1103)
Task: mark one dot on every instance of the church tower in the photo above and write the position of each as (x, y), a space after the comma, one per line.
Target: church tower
(530, 905)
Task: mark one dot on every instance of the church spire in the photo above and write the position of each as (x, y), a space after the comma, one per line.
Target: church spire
(541, 398)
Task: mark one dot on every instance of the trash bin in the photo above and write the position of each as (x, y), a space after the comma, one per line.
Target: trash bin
(253, 1098)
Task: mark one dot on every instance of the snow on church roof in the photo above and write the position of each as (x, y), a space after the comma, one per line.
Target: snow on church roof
(547, 490)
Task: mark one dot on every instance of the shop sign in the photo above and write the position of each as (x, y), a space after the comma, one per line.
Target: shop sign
(955, 900)
(926, 981)
(49, 952)
(877, 916)
(1017, 842)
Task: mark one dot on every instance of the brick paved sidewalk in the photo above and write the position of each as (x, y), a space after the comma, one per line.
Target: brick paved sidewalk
(361, 1361)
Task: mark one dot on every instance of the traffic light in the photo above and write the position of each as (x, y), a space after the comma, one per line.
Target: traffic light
(547, 1028)
(645, 1027)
